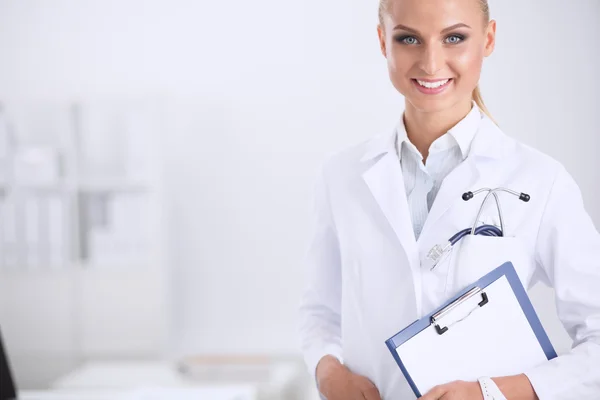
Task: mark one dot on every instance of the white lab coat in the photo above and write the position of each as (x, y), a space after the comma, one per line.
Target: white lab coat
(365, 282)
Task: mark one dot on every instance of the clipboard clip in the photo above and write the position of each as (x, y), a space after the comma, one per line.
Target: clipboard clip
(452, 306)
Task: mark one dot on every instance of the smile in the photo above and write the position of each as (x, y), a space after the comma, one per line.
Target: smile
(432, 87)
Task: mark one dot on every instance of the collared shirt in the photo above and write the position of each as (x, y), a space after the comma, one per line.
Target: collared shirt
(422, 181)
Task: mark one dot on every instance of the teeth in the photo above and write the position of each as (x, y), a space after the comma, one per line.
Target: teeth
(432, 85)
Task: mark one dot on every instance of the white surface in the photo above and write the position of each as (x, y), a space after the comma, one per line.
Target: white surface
(155, 393)
(147, 381)
(279, 380)
(495, 340)
(122, 375)
(223, 393)
(69, 395)
(294, 98)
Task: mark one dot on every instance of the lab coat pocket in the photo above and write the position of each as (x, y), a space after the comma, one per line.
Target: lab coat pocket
(476, 255)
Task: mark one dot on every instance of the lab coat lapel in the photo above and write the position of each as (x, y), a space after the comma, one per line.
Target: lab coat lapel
(386, 183)
(387, 186)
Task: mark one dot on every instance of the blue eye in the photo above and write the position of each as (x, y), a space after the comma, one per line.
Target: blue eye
(459, 38)
(410, 40)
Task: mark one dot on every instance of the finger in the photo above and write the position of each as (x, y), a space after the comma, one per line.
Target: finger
(446, 396)
(435, 393)
(371, 393)
(368, 389)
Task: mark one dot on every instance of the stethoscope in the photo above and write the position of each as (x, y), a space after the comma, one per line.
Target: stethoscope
(438, 251)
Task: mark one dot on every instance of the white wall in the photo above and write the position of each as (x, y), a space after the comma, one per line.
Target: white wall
(258, 92)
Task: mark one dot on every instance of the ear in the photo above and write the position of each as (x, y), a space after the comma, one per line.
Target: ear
(490, 38)
(381, 35)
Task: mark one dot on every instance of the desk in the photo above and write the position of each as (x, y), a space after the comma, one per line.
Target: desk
(138, 380)
(205, 393)
(67, 395)
(281, 380)
(123, 375)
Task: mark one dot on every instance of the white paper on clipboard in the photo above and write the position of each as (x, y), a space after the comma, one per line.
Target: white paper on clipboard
(489, 329)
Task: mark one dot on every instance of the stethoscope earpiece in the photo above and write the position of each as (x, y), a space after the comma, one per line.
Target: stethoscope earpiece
(467, 196)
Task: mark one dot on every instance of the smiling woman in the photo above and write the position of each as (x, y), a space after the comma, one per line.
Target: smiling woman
(381, 205)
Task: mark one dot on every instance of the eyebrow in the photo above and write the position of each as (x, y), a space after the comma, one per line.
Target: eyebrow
(406, 28)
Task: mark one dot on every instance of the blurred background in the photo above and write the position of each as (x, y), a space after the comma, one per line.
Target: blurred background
(157, 161)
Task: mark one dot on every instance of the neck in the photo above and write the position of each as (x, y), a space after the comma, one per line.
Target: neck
(423, 128)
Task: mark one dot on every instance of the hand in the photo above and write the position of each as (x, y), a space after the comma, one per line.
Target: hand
(457, 390)
(337, 382)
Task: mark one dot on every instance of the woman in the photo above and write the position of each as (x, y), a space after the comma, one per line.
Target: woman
(381, 205)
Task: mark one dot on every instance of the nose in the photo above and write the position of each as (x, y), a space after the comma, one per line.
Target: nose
(432, 60)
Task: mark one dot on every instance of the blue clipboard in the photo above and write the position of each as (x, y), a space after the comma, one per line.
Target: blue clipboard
(507, 269)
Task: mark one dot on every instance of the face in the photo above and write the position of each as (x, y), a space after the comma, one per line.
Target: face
(435, 41)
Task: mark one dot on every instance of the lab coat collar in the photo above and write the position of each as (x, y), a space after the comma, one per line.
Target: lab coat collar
(465, 130)
(461, 134)
(488, 141)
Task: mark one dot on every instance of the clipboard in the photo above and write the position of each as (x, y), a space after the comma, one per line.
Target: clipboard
(488, 329)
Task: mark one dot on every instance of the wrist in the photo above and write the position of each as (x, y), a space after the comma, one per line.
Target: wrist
(516, 387)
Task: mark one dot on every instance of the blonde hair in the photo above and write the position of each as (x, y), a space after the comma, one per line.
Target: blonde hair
(485, 9)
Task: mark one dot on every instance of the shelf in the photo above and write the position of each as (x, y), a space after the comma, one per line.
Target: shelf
(124, 266)
(46, 188)
(33, 187)
(97, 185)
(47, 270)
(82, 268)
(113, 185)
(81, 184)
